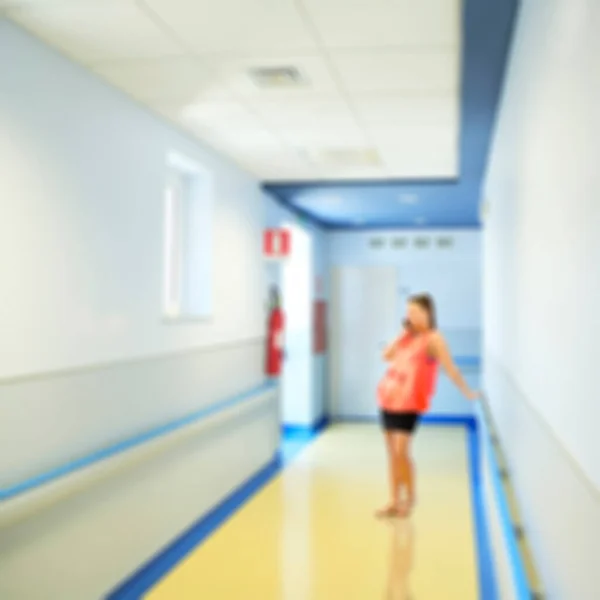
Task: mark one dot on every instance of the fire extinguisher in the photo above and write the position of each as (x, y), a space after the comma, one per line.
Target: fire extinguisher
(275, 336)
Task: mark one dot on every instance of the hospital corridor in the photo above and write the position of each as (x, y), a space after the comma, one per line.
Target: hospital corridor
(299, 299)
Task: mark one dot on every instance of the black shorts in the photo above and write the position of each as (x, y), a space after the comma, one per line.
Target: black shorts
(405, 422)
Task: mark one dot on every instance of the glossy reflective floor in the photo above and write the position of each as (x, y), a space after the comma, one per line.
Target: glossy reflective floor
(310, 534)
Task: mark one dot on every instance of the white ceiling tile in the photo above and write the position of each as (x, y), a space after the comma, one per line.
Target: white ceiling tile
(413, 166)
(250, 137)
(92, 31)
(287, 174)
(214, 114)
(229, 26)
(398, 109)
(418, 151)
(19, 3)
(400, 150)
(228, 124)
(175, 79)
(52, 3)
(236, 74)
(277, 166)
(312, 138)
(376, 23)
(328, 112)
(353, 173)
(255, 150)
(398, 71)
(416, 136)
(414, 174)
(16, 3)
(253, 147)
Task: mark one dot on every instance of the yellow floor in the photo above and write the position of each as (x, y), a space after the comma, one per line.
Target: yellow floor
(310, 534)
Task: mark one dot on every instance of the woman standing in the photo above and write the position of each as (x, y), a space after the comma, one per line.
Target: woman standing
(405, 394)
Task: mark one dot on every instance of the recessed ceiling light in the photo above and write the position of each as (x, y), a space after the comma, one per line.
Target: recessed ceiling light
(408, 198)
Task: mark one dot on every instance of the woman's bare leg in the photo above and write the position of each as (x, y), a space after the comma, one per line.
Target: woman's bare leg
(406, 471)
(395, 477)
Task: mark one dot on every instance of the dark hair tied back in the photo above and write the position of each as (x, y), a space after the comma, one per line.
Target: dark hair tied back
(427, 303)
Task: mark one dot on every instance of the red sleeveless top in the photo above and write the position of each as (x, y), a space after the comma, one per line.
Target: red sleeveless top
(409, 383)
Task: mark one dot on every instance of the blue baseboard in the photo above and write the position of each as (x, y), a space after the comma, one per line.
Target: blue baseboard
(166, 559)
(468, 421)
(488, 588)
(519, 572)
(316, 427)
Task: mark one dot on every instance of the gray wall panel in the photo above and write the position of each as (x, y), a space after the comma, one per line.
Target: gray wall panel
(80, 548)
(559, 505)
(51, 419)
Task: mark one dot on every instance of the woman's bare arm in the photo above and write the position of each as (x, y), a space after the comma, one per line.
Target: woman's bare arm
(388, 353)
(391, 349)
(440, 351)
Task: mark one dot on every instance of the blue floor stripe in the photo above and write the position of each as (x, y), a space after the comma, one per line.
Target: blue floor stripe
(291, 429)
(518, 568)
(488, 589)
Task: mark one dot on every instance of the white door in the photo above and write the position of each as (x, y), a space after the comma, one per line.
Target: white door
(297, 376)
(364, 318)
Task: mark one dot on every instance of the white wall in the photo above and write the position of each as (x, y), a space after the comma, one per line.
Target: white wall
(542, 284)
(277, 215)
(86, 360)
(81, 233)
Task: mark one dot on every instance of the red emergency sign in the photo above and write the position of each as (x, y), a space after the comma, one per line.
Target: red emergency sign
(277, 243)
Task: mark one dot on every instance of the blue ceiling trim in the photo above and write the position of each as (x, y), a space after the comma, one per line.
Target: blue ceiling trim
(488, 26)
(350, 226)
(302, 215)
(324, 183)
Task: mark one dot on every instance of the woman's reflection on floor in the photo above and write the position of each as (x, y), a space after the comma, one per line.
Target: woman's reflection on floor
(401, 557)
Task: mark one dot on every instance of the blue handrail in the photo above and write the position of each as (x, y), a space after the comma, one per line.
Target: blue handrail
(98, 456)
(527, 585)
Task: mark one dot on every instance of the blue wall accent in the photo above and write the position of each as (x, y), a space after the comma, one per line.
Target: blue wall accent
(487, 26)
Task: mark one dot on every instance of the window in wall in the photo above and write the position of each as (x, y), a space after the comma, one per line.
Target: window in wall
(188, 241)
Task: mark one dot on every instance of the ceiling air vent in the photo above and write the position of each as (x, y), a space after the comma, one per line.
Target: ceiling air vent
(277, 77)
